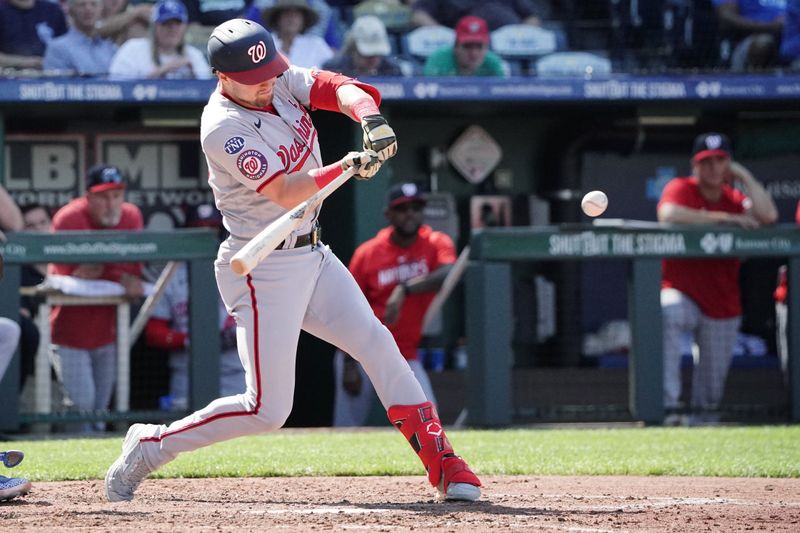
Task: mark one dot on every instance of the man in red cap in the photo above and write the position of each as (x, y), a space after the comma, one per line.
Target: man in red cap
(470, 56)
(700, 297)
(84, 336)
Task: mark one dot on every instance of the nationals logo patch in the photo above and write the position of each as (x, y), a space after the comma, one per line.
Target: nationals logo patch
(252, 164)
(234, 145)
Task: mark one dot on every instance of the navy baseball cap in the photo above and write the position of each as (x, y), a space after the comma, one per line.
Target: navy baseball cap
(167, 10)
(710, 145)
(403, 193)
(104, 177)
(244, 51)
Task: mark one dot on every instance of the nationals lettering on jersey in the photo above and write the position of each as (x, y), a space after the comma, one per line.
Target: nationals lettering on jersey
(402, 272)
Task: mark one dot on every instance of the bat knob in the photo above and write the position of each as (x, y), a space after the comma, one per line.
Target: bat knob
(239, 267)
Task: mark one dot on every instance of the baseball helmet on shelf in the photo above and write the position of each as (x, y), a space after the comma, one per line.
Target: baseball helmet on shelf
(245, 51)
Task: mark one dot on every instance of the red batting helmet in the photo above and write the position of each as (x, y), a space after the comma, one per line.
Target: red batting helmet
(244, 51)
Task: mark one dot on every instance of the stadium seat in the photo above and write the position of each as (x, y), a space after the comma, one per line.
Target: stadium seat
(519, 44)
(583, 64)
(419, 43)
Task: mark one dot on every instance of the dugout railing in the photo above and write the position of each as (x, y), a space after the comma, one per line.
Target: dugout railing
(197, 247)
(489, 300)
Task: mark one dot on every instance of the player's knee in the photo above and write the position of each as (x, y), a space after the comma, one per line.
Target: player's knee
(272, 418)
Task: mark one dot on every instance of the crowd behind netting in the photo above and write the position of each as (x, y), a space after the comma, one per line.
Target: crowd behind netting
(137, 39)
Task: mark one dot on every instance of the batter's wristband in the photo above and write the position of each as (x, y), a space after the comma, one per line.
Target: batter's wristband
(325, 175)
(364, 108)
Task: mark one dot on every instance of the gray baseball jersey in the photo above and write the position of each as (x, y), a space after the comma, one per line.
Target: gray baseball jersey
(246, 149)
(304, 288)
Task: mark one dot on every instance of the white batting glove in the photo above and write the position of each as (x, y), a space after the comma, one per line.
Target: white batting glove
(366, 164)
(379, 136)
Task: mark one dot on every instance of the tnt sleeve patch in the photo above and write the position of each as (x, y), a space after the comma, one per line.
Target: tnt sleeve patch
(234, 145)
(252, 164)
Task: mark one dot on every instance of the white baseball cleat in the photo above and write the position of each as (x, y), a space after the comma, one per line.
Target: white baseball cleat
(460, 492)
(130, 469)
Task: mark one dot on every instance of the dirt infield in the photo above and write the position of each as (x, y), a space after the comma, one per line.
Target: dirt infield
(511, 503)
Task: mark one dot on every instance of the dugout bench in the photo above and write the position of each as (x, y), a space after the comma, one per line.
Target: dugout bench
(645, 244)
(198, 247)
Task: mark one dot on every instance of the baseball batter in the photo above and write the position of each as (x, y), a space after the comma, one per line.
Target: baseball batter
(264, 158)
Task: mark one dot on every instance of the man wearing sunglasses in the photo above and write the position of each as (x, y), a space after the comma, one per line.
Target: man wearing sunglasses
(399, 270)
(84, 350)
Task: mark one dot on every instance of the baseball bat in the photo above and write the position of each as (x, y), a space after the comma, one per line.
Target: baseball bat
(449, 283)
(149, 305)
(260, 246)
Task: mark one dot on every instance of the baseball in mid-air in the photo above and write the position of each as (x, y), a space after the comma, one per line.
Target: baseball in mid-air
(594, 203)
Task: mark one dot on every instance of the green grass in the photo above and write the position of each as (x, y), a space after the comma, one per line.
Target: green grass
(772, 451)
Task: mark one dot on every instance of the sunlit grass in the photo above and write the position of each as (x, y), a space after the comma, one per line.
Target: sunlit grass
(772, 451)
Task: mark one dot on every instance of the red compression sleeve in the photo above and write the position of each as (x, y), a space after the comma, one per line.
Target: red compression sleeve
(323, 92)
(325, 175)
(364, 108)
(160, 335)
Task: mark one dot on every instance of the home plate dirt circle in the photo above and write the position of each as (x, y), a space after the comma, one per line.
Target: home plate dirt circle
(510, 503)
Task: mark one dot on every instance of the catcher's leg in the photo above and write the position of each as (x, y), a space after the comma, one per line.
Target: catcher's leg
(446, 471)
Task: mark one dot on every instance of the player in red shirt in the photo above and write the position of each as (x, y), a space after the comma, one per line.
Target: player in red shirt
(84, 336)
(700, 297)
(399, 270)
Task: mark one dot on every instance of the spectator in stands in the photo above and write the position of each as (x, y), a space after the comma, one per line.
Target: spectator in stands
(328, 25)
(755, 27)
(168, 329)
(164, 55)
(84, 348)
(700, 297)
(79, 52)
(470, 56)
(496, 13)
(289, 21)
(26, 26)
(790, 43)
(121, 21)
(366, 51)
(782, 312)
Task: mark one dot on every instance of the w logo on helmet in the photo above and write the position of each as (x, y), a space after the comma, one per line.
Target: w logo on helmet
(257, 52)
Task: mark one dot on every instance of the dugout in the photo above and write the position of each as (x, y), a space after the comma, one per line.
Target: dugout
(560, 137)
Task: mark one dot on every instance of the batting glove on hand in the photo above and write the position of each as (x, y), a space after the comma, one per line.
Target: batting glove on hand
(379, 136)
(366, 164)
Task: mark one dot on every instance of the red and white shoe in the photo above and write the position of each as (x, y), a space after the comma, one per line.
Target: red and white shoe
(458, 482)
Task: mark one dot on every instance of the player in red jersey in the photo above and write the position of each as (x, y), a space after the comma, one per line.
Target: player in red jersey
(700, 297)
(399, 270)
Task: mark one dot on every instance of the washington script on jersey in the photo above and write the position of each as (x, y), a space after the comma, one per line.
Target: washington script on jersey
(400, 273)
(297, 151)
